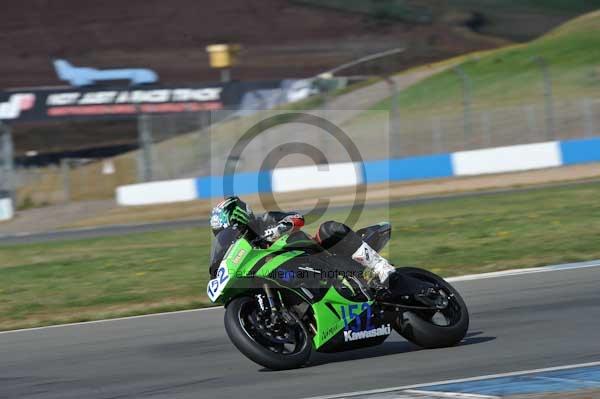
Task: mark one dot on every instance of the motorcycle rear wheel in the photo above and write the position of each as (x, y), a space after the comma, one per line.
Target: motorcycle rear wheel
(262, 346)
(434, 329)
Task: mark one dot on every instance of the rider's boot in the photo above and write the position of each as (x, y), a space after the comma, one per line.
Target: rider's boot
(369, 258)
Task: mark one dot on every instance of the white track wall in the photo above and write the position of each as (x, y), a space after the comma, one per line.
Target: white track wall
(506, 159)
(436, 166)
(315, 177)
(6, 209)
(161, 192)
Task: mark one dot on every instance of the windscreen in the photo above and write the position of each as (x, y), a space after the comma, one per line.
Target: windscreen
(223, 240)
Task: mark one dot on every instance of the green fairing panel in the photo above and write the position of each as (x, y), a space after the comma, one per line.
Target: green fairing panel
(277, 261)
(256, 255)
(236, 257)
(242, 257)
(328, 323)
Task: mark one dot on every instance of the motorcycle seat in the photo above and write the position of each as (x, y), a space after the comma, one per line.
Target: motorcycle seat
(377, 235)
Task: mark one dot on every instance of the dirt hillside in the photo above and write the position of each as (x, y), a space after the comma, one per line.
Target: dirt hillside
(279, 39)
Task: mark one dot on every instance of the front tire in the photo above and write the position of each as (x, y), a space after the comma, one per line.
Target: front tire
(425, 328)
(240, 324)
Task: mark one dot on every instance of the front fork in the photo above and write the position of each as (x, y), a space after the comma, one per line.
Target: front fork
(271, 306)
(270, 298)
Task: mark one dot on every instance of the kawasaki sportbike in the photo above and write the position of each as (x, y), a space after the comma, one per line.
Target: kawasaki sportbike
(293, 297)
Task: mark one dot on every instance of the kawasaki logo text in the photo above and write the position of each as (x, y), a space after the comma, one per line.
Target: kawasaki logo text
(350, 335)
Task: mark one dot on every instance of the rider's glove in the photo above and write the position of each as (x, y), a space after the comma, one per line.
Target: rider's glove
(272, 234)
(239, 216)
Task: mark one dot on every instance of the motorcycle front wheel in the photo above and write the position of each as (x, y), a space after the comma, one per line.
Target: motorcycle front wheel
(434, 328)
(283, 345)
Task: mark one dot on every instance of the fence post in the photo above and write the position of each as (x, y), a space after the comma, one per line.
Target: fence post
(467, 102)
(486, 126)
(145, 153)
(65, 171)
(203, 147)
(531, 121)
(396, 142)
(588, 117)
(548, 97)
(436, 130)
(8, 166)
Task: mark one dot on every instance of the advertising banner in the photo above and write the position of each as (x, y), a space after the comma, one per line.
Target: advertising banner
(94, 103)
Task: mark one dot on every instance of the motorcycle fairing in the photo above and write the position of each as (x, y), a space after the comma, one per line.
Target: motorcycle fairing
(243, 262)
(338, 318)
(337, 314)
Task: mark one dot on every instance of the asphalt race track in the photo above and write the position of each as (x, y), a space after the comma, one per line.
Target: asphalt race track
(518, 322)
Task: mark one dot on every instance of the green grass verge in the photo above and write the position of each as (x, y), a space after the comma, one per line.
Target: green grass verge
(88, 279)
(509, 75)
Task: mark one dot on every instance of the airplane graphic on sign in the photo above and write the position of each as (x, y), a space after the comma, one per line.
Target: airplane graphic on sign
(84, 76)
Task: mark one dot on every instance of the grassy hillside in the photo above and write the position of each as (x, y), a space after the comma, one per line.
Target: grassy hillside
(510, 75)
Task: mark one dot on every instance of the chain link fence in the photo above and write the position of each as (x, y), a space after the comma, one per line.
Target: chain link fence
(7, 181)
(188, 155)
(497, 127)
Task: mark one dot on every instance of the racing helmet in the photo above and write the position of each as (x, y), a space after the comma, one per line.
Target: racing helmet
(232, 211)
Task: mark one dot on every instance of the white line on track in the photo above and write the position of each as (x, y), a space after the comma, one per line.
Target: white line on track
(83, 323)
(517, 272)
(454, 395)
(482, 276)
(429, 384)
(85, 229)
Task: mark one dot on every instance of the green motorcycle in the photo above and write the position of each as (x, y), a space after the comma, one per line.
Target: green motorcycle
(292, 297)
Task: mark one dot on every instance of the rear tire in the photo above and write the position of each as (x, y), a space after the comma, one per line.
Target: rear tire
(236, 325)
(418, 326)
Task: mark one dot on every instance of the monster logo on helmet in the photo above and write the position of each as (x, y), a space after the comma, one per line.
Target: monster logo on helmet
(229, 212)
